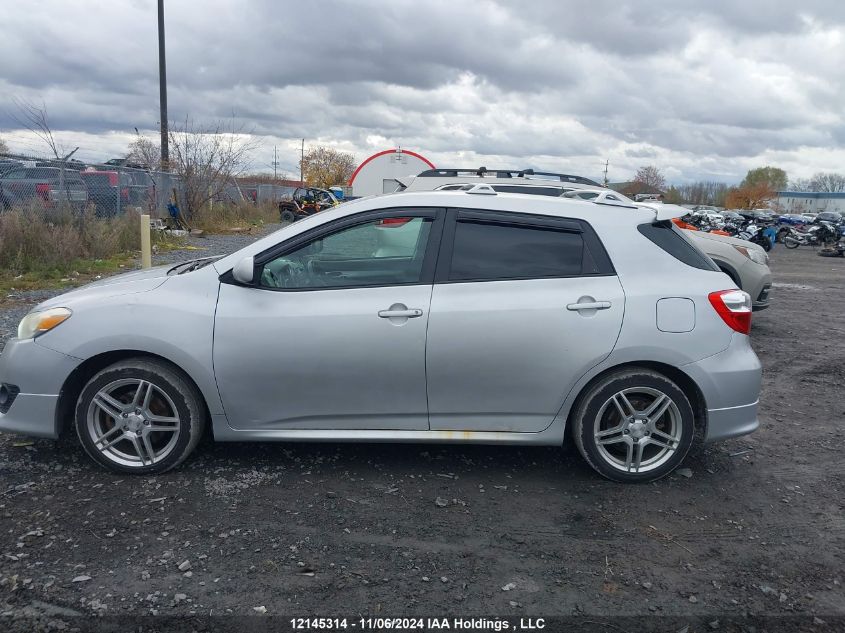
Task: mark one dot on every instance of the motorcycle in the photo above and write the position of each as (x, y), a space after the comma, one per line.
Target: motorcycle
(762, 236)
(793, 238)
(820, 233)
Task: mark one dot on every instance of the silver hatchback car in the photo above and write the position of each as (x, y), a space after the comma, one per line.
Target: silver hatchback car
(468, 316)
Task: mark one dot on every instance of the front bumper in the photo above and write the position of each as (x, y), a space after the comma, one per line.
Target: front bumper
(756, 281)
(37, 374)
(730, 382)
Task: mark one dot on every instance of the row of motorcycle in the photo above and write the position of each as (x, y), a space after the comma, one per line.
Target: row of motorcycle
(766, 231)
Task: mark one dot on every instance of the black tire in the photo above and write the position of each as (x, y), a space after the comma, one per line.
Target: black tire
(790, 242)
(594, 401)
(288, 216)
(166, 379)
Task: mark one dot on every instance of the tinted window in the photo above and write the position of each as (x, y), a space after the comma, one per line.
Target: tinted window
(380, 252)
(669, 238)
(484, 251)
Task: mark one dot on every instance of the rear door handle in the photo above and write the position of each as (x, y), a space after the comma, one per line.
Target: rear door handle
(408, 313)
(591, 305)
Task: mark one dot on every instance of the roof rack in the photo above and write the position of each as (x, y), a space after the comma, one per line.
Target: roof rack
(483, 172)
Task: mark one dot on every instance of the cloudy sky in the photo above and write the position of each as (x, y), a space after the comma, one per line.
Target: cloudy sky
(703, 90)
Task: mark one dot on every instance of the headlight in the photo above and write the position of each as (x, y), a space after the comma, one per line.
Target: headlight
(36, 323)
(758, 257)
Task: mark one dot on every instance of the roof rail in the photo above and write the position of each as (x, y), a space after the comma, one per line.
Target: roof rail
(483, 172)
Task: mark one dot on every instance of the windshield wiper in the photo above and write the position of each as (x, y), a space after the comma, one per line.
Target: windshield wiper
(190, 266)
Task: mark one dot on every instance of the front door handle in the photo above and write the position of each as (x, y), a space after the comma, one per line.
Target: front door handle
(589, 305)
(400, 311)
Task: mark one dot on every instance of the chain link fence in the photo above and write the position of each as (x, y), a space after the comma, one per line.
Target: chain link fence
(104, 189)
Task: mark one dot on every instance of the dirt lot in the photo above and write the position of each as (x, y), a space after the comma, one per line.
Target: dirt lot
(756, 527)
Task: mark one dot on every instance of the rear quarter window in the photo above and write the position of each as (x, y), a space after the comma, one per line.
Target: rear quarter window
(669, 238)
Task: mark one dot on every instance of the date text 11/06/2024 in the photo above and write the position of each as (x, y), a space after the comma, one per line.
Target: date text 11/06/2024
(419, 624)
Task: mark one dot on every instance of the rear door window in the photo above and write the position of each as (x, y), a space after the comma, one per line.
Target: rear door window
(499, 250)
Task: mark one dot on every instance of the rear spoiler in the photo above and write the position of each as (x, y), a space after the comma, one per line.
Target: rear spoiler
(664, 211)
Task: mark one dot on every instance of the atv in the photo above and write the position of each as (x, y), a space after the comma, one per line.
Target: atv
(306, 201)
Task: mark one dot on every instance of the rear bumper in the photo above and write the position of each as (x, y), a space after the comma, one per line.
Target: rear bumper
(37, 375)
(723, 424)
(730, 382)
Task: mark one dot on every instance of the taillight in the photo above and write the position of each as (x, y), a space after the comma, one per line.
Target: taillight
(393, 222)
(43, 191)
(124, 193)
(734, 306)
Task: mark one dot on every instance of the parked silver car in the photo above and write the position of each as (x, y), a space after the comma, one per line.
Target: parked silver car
(510, 319)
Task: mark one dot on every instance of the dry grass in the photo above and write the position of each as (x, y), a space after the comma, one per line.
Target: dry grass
(44, 247)
(222, 217)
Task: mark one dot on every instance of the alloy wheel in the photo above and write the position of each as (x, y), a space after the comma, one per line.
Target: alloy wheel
(638, 429)
(132, 422)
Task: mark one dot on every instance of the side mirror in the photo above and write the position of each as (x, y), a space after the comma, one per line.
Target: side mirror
(244, 270)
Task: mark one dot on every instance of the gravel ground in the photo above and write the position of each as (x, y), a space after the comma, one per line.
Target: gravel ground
(750, 526)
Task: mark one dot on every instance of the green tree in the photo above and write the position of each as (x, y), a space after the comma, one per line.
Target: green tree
(773, 177)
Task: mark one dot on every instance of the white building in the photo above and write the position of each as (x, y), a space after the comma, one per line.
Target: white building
(377, 174)
(810, 201)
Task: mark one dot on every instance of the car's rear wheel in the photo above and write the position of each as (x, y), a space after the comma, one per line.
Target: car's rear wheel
(288, 216)
(634, 425)
(139, 416)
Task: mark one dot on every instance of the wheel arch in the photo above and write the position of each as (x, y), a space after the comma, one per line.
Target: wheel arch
(728, 269)
(78, 378)
(691, 390)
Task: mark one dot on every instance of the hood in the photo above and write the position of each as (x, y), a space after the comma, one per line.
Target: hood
(127, 283)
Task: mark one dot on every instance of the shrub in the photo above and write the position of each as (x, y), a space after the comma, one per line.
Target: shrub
(221, 217)
(34, 239)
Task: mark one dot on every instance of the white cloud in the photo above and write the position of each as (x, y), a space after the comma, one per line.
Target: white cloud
(700, 89)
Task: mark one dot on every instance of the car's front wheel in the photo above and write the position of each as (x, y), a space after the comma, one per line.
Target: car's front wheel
(634, 425)
(139, 416)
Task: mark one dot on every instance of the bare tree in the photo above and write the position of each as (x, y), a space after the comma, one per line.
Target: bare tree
(828, 182)
(802, 184)
(145, 152)
(4, 148)
(704, 192)
(207, 160)
(34, 118)
(324, 167)
(650, 176)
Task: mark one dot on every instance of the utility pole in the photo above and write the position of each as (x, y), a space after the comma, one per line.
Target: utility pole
(606, 163)
(275, 162)
(301, 160)
(162, 90)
